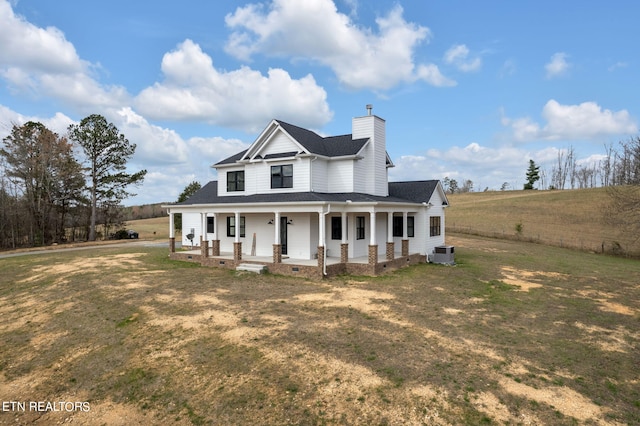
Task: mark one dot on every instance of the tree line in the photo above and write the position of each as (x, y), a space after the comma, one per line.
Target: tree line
(620, 166)
(57, 188)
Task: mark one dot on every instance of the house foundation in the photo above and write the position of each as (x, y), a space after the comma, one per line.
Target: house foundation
(318, 271)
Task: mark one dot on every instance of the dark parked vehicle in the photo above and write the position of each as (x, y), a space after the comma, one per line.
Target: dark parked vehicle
(124, 234)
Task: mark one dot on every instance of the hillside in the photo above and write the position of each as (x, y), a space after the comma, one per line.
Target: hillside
(569, 218)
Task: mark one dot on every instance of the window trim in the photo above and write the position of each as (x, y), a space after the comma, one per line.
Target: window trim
(231, 226)
(282, 176)
(234, 184)
(210, 225)
(398, 225)
(336, 228)
(435, 224)
(360, 227)
(411, 226)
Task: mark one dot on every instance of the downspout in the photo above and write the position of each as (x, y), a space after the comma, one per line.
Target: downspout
(324, 240)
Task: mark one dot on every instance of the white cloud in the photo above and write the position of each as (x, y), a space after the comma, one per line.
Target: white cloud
(558, 65)
(485, 166)
(31, 48)
(458, 55)
(8, 118)
(42, 62)
(585, 121)
(315, 30)
(194, 90)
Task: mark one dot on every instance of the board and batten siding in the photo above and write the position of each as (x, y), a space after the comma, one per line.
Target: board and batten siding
(279, 143)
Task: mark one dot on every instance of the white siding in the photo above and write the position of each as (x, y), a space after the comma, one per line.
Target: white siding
(340, 176)
(261, 176)
(314, 234)
(332, 246)
(361, 170)
(359, 248)
(278, 144)
(319, 175)
(191, 221)
(265, 234)
(375, 154)
(437, 209)
(222, 181)
(299, 235)
(380, 166)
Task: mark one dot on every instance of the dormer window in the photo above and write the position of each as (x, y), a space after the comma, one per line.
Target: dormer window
(235, 181)
(282, 176)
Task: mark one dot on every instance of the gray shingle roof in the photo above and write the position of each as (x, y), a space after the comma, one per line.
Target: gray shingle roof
(399, 192)
(332, 146)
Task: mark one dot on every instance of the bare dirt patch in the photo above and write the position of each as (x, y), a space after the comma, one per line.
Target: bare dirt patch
(147, 341)
(528, 280)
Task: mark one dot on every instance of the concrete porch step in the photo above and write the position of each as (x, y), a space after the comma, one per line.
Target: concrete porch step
(251, 267)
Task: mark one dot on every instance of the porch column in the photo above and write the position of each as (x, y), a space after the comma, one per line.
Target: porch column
(237, 223)
(321, 239)
(172, 234)
(215, 247)
(373, 247)
(344, 246)
(276, 223)
(405, 238)
(372, 225)
(277, 245)
(204, 248)
(390, 244)
(215, 242)
(237, 245)
(203, 227)
(204, 244)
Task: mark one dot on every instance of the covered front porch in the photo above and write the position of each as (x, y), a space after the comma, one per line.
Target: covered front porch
(309, 268)
(319, 239)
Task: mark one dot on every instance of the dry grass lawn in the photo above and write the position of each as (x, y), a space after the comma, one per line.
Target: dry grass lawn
(517, 333)
(578, 219)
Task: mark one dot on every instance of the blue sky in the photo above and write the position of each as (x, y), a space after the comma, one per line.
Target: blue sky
(469, 90)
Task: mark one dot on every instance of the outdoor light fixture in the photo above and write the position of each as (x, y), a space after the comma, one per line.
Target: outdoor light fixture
(270, 222)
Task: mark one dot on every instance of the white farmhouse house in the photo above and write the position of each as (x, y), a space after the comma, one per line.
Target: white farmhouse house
(300, 203)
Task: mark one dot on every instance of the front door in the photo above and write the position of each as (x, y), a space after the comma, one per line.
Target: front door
(283, 233)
